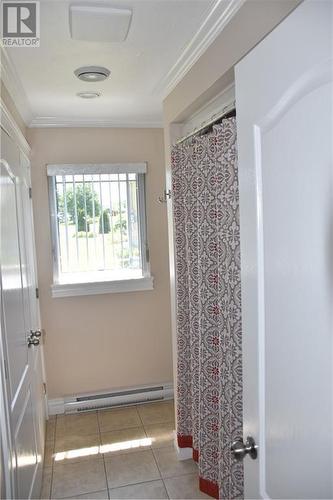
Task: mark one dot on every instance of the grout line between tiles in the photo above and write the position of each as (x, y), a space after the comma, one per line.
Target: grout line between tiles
(159, 423)
(144, 482)
(122, 429)
(134, 484)
(166, 491)
(103, 456)
(137, 411)
(89, 493)
(180, 475)
(144, 429)
(159, 471)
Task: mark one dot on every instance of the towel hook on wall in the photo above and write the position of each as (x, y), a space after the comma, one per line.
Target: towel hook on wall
(165, 197)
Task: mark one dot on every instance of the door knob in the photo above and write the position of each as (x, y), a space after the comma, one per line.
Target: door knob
(239, 449)
(32, 341)
(35, 333)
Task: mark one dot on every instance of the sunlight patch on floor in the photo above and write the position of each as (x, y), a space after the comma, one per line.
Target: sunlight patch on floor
(105, 448)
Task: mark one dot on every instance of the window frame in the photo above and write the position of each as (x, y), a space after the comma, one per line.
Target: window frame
(145, 282)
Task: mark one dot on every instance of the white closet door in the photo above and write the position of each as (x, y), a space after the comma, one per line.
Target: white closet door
(22, 363)
(284, 111)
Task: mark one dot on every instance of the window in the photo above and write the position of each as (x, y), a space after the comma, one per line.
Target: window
(98, 222)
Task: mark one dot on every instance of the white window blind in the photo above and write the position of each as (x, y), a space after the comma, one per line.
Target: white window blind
(101, 168)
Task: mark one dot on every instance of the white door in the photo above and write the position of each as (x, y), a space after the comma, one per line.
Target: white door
(19, 317)
(284, 96)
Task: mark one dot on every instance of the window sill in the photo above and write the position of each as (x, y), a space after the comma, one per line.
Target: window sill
(96, 288)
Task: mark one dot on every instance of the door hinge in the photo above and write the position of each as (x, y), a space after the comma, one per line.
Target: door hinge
(147, 254)
(37, 293)
(44, 388)
(30, 193)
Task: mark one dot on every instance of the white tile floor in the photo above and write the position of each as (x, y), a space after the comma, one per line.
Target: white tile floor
(124, 453)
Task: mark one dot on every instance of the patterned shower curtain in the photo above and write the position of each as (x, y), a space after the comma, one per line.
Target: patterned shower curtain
(209, 387)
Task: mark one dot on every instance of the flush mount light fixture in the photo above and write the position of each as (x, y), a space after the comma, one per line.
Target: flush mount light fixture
(88, 95)
(92, 73)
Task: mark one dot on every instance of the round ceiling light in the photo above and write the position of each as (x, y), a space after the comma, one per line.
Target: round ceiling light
(92, 73)
(88, 95)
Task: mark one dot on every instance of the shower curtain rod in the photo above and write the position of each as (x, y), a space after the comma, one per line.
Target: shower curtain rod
(215, 118)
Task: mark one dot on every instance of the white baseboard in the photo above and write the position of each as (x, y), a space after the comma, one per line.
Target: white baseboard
(182, 453)
(56, 406)
(123, 397)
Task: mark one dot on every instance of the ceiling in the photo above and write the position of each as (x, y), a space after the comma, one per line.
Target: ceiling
(164, 36)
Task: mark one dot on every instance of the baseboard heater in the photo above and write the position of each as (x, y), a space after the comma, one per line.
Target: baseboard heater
(126, 397)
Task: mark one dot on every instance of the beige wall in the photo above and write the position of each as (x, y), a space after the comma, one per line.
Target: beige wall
(106, 341)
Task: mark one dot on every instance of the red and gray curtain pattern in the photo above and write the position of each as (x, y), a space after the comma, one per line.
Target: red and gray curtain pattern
(209, 387)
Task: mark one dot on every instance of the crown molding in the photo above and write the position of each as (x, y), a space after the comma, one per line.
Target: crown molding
(217, 18)
(11, 79)
(10, 126)
(62, 122)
